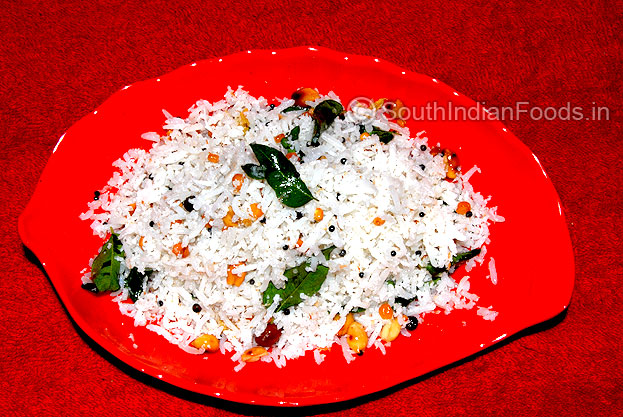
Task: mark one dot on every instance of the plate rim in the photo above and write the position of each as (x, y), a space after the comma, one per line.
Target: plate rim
(28, 237)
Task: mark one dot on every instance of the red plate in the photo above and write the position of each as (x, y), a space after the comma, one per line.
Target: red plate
(532, 249)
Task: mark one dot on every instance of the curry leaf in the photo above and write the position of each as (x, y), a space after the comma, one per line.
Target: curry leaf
(294, 108)
(434, 270)
(460, 257)
(327, 111)
(327, 252)
(292, 135)
(291, 191)
(300, 281)
(134, 282)
(384, 136)
(324, 115)
(273, 160)
(456, 259)
(257, 172)
(280, 174)
(315, 140)
(404, 301)
(107, 264)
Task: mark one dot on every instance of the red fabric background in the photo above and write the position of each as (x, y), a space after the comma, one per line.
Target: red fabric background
(59, 60)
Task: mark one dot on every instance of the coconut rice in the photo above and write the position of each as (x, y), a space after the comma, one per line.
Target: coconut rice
(355, 180)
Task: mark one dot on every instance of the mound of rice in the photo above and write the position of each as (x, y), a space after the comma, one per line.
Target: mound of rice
(355, 179)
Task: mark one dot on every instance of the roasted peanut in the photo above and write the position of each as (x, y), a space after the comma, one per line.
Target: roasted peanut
(303, 95)
(378, 104)
(207, 342)
(318, 214)
(243, 121)
(349, 320)
(451, 161)
(390, 330)
(254, 354)
(356, 337)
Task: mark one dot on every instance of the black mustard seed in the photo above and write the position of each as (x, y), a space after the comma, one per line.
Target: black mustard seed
(188, 206)
(412, 324)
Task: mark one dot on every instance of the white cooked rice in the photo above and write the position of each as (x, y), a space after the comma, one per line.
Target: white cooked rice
(377, 180)
(493, 274)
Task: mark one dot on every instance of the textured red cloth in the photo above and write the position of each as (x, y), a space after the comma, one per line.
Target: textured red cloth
(59, 60)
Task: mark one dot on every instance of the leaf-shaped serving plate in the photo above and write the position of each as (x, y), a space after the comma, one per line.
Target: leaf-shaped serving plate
(530, 290)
